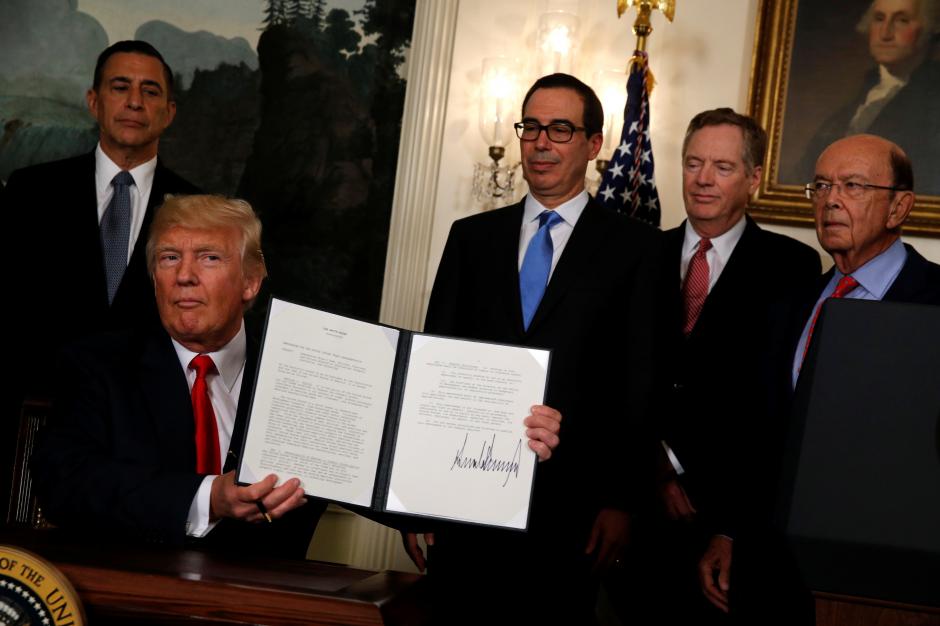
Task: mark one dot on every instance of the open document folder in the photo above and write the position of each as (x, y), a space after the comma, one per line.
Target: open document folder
(394, 420)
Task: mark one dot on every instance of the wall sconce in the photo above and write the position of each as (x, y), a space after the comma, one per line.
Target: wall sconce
(610, 86)
(557, 42)
(493, 183)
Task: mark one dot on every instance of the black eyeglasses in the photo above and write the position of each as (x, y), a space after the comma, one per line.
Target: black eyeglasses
(558, 132)
(819, 190)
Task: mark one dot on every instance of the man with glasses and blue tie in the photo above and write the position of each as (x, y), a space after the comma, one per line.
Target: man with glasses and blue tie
(555, 271)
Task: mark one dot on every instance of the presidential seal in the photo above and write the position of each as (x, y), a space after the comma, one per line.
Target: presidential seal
(34, 593)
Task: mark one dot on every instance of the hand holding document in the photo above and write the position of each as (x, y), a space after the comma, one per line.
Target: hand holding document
(397, 421)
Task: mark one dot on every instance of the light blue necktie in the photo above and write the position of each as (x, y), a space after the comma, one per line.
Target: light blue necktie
(536, 266)
(116, 231)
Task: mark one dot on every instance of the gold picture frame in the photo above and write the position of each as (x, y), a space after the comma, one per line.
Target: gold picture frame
(813, 83)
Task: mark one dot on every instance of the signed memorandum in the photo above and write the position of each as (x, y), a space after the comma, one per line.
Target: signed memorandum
(393, 420)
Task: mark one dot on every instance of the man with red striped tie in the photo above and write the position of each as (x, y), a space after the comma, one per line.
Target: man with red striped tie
(139, 444)
(725, 275)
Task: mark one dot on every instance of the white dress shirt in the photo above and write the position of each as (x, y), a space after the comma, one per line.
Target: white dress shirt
(105, 171)
(224, 389)
(569, 211)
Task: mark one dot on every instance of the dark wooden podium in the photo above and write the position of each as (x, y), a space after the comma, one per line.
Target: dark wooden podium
(149, 585)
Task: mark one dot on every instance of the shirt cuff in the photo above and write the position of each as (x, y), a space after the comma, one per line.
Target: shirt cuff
(676, 465)
(198, 524)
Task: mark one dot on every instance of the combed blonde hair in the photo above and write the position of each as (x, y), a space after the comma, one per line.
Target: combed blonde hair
(210, 211)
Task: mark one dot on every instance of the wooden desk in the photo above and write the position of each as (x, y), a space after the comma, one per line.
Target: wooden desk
(839, 610)
(144, 585)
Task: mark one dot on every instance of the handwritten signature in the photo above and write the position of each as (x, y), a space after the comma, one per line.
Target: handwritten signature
(486, 462)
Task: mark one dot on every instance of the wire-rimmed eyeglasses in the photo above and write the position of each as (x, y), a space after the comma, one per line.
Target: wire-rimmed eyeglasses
(820, 189)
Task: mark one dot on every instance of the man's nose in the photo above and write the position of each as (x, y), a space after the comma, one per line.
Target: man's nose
(186, 273)
(705, 176)
(885, 30)
(134, 98)
(834, 198)
(542, 142)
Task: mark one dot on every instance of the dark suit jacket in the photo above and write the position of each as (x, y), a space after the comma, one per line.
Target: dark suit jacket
(761, 564)
(713, 413)
(597, 316)
(118, 458)
(60, 282)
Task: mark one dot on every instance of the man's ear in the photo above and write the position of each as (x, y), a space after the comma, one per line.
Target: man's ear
(91, 99)
(595, 143)
(251, 287)
(900, 208)
(755, 176)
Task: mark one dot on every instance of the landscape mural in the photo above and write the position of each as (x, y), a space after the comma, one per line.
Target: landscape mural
(293, 105)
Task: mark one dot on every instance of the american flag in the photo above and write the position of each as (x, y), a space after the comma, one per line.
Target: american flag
(628, 184)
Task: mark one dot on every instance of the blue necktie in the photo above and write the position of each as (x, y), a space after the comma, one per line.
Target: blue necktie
(536, 266)
(116, 231)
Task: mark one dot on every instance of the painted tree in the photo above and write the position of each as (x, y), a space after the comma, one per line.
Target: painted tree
(317, 12)
(339, 32)
(275, 14)
(294, 10)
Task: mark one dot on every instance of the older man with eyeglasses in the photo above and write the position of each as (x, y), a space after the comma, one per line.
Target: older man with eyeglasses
(862, 194)
(558, 271)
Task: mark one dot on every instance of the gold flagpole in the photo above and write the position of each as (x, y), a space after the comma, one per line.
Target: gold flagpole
(641, 26)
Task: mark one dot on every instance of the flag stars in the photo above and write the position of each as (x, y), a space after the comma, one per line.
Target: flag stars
(616, 170)
(623, 148)
(607, 192)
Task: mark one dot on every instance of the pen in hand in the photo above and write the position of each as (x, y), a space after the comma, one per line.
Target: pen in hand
(264, 510)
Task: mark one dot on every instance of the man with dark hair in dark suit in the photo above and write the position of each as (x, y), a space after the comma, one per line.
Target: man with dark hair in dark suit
(596, 313)
(85, 209)
(141, 431)
(725, 275)
(77, 225)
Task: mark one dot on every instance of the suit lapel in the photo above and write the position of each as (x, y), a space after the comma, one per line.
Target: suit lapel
(87, 229)
(907, 286)
(506, 265)
(166, 394)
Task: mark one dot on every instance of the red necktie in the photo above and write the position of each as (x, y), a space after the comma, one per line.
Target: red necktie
(695, 289)
(208, 456)
(844, 286)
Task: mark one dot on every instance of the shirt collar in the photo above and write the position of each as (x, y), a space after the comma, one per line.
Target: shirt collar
(106, 170)
(723, 244)
(569, 211)
(877, 276)
(229, 360)
(889, 80)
